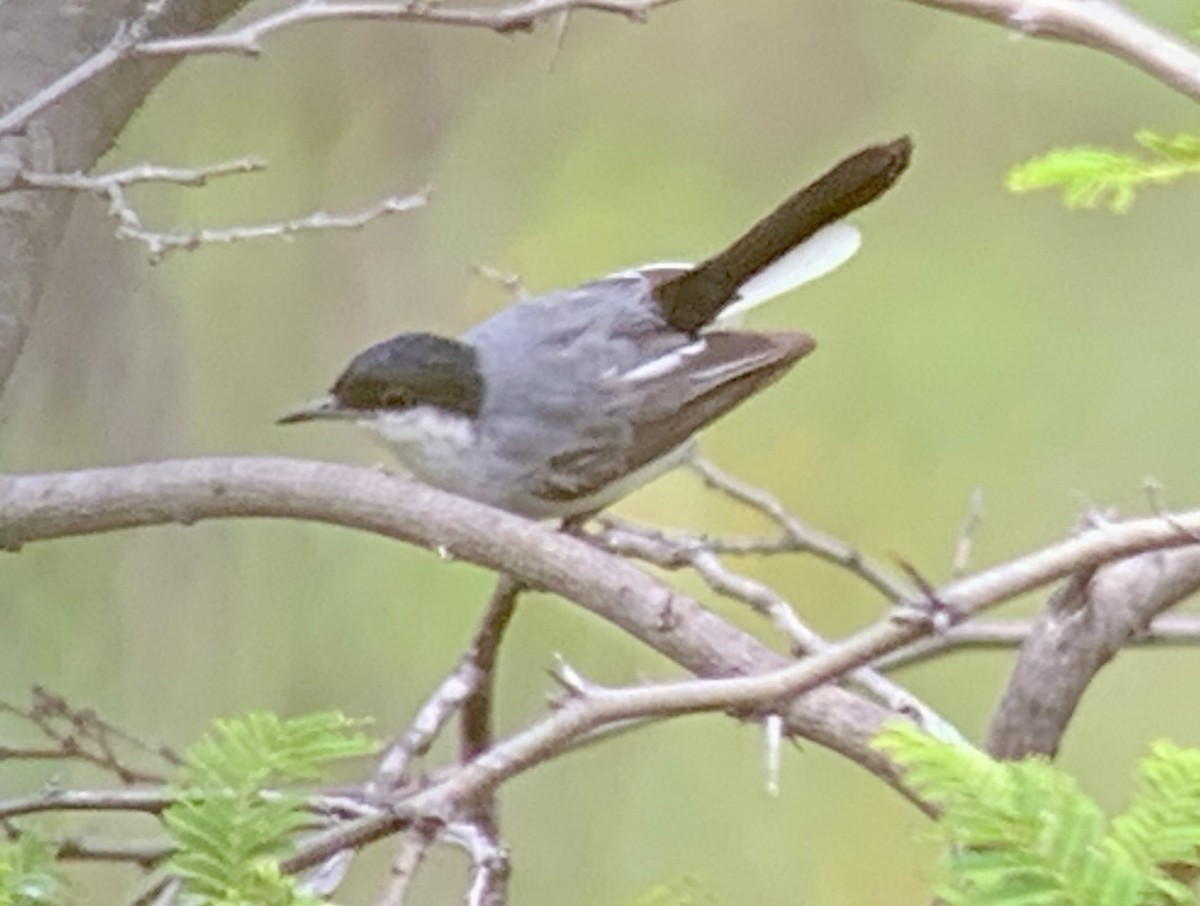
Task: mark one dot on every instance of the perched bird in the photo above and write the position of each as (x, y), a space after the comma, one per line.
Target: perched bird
(559, 405)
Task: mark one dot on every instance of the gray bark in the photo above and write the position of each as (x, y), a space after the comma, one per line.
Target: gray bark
(40, 40)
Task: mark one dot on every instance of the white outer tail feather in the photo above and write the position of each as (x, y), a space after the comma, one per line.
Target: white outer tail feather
(825, 250)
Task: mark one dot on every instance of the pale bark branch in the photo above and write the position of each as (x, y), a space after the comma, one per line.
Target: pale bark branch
(523, 16)
(671, 551)
(1168, 630)
(1084, 625)
(410, 853)
(67, 129)
(798, 536)
(88, 849)
(483, 653)
(38, 507)
(754, 682)
(151, 801)
(1103, 25)
(71, 75)
(57, 505)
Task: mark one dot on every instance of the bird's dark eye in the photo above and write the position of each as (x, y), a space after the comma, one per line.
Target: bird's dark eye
(395, 399)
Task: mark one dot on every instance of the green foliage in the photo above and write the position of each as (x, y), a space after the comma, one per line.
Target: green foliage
(1023, 833)
(229, 828)
(27, 873)
(1090, 177)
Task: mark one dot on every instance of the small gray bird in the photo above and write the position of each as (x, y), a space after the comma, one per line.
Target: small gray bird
(560, 405)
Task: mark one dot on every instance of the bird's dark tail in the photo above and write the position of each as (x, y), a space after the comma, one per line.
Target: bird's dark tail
(695, 298)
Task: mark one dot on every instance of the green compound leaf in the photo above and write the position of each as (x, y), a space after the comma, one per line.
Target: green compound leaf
(1022, 833)
(1090, 177)
(230, 829)
(28, 876)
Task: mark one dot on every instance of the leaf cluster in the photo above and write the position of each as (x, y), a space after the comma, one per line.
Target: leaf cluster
(1024, 833)
(1090, 177)
(236, 813)
(27, 873)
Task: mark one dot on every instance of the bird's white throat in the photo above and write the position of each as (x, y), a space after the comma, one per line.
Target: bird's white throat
(427, 440)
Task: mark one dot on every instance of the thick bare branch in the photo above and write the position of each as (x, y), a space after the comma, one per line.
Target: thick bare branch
(1086, 622)
(57, 505)
(1103, 25)
(37, 507)
(593, 707)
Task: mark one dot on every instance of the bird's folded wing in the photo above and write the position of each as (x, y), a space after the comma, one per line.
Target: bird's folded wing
(660, 403)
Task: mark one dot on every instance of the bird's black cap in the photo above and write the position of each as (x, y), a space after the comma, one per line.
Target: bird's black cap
(412, 369)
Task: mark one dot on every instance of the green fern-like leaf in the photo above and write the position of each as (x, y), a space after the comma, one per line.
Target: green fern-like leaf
(251, 751)
(27, 873)
(1162, 825)
(230, 829)
(1024, 834)
(1090, 177)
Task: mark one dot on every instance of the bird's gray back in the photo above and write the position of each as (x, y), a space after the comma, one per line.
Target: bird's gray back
(554, 407)
(553, 349)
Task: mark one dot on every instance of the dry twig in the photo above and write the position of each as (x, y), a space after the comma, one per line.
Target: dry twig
(797, 536)
(133, 40)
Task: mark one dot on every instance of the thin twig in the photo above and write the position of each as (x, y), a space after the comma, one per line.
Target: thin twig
(248, 39)
(161, 244)
(112, 188)
(797, 535)
(56, 800)
(481, 823)
(476, 722)
(100, 183)
(1168, 630)
(676, 552)
(582, 714)
(431, 719)
(511, 283)
(145, 855)
(490, 863)
(966, 534)
(409, 856)
(80, 734)
(131, 40)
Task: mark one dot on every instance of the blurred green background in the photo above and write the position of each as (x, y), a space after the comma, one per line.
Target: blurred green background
(979, 340)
